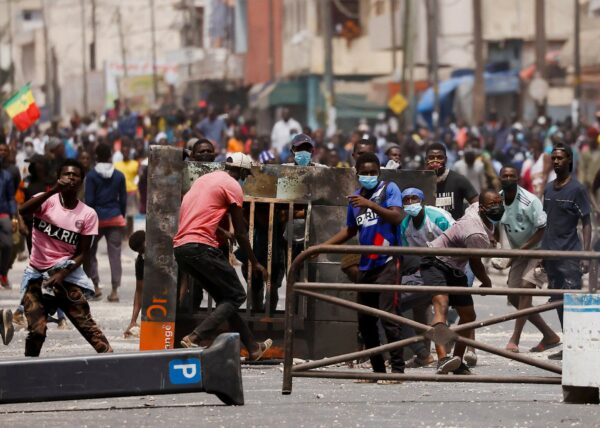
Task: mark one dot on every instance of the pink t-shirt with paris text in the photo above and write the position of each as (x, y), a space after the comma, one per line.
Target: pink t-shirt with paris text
(57, 231)
(203, 207)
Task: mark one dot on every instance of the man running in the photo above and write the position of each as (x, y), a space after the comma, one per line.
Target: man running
(63, 228)
(524, 222)
(210, 198)
(474, 230)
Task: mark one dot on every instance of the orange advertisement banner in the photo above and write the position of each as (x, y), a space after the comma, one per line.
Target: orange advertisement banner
(156, 336)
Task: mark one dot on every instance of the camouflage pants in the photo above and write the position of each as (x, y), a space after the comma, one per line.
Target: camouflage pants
(71, 300)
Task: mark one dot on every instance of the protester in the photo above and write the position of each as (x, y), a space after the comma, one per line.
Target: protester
(213, 128)
(203, 151)
(283, 130)
(105, 192)
(524, 221)
(422, 224)
(130, 169)
(474, 230)
(374, 212)
(211, 197)
(8, 220)
(566, 204)
(471, 167)
(137, 243)
(63, 229)
(452, 188)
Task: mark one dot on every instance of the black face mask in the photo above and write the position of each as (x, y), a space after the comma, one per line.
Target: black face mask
(205, 157)
(495, 213)
(508, 185)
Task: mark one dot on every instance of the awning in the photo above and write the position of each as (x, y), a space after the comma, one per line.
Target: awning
(504, 82)
(274, 94)
(356, 106)
(446, 88)
(498, 83)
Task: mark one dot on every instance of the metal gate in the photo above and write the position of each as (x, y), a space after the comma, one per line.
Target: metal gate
(439, 334)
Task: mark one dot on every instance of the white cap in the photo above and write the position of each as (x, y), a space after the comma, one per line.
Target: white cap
(160, 136)
(239, 160)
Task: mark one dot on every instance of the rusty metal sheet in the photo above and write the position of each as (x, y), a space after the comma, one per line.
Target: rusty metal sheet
(159, 299)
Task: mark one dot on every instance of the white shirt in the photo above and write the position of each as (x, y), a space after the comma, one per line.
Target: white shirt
(281, 133)
(523, 217)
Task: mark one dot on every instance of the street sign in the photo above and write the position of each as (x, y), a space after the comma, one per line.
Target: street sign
(215, 370)
(397, 103)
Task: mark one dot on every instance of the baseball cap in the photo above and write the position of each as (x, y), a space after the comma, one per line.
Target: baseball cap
(190, 143)
(239, 160)
(300, 139)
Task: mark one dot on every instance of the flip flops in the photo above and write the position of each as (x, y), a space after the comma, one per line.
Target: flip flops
(541, 347)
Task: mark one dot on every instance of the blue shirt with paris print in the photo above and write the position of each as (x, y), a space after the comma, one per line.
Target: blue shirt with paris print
(372, 230)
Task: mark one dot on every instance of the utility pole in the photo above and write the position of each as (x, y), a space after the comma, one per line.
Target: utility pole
(94, 40)
(10, 45)
(409, 50)
(48, 83)
(83, 56)
(540, 46)
(432, 49)
(479, 85)
(122, 41)
(405, 43)
(393, 35)
(577, 65)
(154, 71)
(540, 38)
(271, 42)
(327, 34)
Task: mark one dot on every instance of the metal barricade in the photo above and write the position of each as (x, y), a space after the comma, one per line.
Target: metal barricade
(272, 190)
(439, 334)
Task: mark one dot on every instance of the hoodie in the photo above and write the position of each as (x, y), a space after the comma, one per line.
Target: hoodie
(105, 191)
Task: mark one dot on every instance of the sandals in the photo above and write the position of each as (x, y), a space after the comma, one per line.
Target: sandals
(511, 347)
(541, 347)
(262, 348)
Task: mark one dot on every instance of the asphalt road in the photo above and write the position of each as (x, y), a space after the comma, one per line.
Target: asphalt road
(313, 402)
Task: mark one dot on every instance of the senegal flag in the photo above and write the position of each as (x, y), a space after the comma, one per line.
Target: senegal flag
(21, 108)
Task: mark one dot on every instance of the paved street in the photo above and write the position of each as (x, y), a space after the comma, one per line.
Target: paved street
(314, 402)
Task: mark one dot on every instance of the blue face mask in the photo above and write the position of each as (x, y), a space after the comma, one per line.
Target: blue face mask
(242, 181)
(413, 210)
(302, 158)
(369, 182)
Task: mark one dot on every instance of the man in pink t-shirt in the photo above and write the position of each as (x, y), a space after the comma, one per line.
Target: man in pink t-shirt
(63, 228)
(210, 198)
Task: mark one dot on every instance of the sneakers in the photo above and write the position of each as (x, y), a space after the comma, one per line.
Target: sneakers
(463, 369)
(4, 282)
(63, 324)
(416, 362)
(7, 330)
(262, 348)
(557, 356)
(470, 357)
(19, 319)
(448, 364)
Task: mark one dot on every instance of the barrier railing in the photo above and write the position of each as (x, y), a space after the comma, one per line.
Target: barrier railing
(439, 334)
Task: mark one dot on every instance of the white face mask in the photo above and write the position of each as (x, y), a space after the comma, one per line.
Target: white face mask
(29, 151)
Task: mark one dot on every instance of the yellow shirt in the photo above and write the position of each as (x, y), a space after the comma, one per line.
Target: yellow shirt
(130, 171)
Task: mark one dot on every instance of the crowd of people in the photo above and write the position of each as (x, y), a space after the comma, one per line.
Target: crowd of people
(64, 189)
